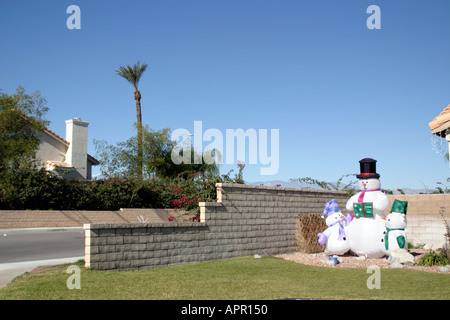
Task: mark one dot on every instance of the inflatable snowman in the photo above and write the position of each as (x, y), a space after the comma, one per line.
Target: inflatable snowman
(366, 228)
(335, 236)
(395, 235)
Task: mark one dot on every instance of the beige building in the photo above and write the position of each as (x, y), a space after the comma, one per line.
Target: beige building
(67, 156)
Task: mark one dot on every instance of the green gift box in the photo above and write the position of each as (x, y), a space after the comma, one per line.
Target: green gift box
(363, 209)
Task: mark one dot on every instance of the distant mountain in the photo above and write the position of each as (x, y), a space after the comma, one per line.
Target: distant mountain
(98, 176)
(290, 184)
(412, 191)
(296, 184)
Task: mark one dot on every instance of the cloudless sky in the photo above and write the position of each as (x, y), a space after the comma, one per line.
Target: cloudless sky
(336, 90)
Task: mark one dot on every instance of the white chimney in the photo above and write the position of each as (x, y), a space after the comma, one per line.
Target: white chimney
(76, 135)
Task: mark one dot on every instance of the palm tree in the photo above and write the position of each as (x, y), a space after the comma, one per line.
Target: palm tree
(133, 75)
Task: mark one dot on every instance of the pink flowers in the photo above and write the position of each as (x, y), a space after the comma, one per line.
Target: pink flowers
(183, 200)
(241, 164)
(175, 189)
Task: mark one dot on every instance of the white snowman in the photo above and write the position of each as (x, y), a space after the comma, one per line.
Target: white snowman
(395, 235)
(368, 224)
(335, 236)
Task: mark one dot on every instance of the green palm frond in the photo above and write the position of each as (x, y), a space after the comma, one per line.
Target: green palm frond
(132, 73)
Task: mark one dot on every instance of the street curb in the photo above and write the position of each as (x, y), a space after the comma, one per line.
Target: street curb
(10, 270)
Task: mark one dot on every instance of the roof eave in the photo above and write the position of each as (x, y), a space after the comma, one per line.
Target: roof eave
(442, 130)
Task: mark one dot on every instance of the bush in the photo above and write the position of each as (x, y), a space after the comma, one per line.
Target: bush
(39, 189)
(306, 228)
(433, 259)
(32, 189)
(185, 193)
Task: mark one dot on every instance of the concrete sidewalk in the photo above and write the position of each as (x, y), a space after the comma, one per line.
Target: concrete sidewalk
(9, 271)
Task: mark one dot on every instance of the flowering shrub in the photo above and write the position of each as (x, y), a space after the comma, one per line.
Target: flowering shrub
(185, 194)
(239, 177)
(39, 189)
(198, 187)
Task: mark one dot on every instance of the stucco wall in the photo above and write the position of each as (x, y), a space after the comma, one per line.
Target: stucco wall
(50, 148)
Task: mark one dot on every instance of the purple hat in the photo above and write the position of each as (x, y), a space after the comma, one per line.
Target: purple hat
(331, 207)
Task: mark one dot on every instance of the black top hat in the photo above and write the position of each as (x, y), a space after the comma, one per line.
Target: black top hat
(368, 169)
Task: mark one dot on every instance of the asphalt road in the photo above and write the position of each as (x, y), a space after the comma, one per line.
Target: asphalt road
(22, 250)
(40, 244)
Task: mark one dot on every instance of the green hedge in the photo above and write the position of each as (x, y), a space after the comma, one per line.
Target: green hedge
(41, 190)
(38, 189)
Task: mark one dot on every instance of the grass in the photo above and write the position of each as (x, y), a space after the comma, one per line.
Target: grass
(242, 278)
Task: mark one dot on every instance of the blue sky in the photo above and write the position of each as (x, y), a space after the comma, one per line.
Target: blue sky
(337, 91)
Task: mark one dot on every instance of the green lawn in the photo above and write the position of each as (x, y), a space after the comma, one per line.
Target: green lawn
(239, 278)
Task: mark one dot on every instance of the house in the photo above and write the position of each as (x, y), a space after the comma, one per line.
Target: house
(68, 157)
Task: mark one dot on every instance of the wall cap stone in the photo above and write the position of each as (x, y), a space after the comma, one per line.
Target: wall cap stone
(253, 186)
(88, 226)
(210, 204)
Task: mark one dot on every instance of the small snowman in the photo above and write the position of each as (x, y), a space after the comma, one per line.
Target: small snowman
(395, 235)
(335, 236)
(369, 204)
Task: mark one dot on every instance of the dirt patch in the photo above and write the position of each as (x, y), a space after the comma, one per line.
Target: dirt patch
(352, 261)
(43, 268)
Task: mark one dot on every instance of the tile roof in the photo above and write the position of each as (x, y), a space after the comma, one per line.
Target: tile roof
(57, 136)
(441, 123)
(59, 164)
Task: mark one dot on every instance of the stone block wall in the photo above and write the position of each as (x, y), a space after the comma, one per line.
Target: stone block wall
(245, 220)
(138, 246)
(425, 224)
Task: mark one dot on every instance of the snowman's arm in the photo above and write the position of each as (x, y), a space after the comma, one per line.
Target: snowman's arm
(382, 203)
(401, 241)
(348, 218)
(327, 232)
(351, 201)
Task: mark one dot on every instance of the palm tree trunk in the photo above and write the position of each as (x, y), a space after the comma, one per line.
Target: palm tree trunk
(137, 97)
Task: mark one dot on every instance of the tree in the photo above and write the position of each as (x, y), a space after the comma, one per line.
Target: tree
(120, 159)
(133, 75)
(21, 119)
(349, 187)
